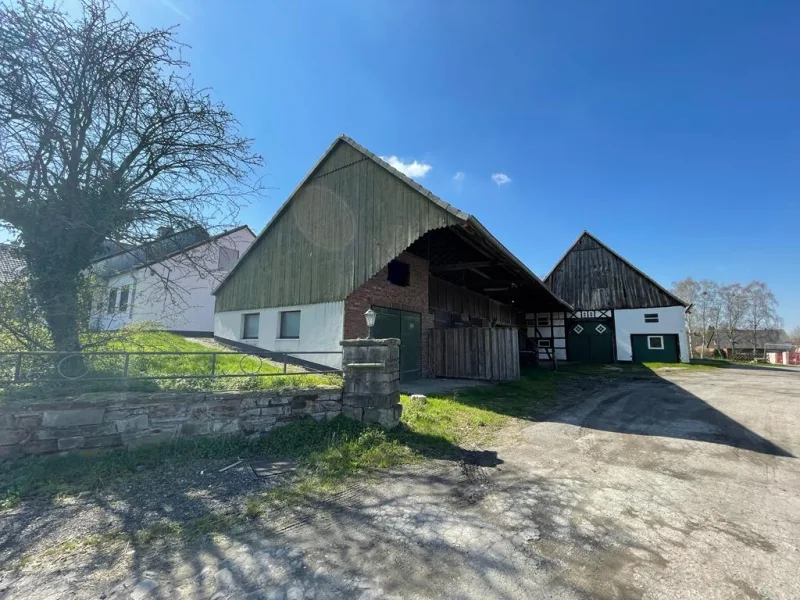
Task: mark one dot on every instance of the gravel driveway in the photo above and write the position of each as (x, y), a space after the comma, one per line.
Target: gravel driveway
(681, 487)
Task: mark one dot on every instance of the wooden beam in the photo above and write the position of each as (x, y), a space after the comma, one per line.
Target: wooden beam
(462, 266)
(484, 275)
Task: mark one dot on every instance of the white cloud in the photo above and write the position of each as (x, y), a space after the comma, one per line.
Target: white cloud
(501, 178)
(413, 169)
(459, 177)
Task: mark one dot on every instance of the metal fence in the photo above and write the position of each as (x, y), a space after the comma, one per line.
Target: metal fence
(28, 367)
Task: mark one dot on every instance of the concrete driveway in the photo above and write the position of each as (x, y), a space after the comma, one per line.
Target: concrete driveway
(680, 487)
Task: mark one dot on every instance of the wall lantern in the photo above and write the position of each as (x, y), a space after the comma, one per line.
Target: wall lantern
(370, 316)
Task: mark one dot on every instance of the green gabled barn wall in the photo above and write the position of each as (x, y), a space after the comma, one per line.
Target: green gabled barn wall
(346, 222)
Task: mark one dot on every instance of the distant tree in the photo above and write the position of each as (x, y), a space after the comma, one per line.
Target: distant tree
(795, 336)
(103, 137)
(762, 310)
(704, 318)
(734, 307)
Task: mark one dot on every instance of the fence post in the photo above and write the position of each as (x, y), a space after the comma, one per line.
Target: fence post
(18, 367)
(284, 363)
(127, 364)
(213, 363)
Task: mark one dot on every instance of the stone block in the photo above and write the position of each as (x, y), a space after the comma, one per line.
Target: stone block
(10, 451)
(250, 412)
(71, 418)
(260, 425)
(71, 443)
(103, 441)
(135, 423)
(191, 428)
(29, 421)
(147, 440)
(353, 412)
(331, 405)
(278, 401)
(40, 447)
(385, 417)
(170, 411)
(11, 437)
(277, 411)
(7, 421)
(226, 426)
(222, 411)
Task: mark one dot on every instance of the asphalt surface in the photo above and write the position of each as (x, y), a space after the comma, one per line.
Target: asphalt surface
(682, 487)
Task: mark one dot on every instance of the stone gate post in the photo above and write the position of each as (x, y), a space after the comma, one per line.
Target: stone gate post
(372, 381)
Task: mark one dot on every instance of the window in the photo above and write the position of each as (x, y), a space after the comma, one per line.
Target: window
(651, 317)
(655, 342)
(544, 343)
(112, 300)
(227, 258)
(290, 325)
(543, 320)
(124, 293)
(250, 326)
(399, 273)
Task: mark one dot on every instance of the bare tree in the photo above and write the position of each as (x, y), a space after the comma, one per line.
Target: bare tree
(733, 305)
(762, 310)
(688, 291)
(795, 336)
(104, 137)
(708, 311)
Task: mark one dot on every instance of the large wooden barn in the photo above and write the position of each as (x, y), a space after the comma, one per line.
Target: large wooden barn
(620, 313)
(358, 234)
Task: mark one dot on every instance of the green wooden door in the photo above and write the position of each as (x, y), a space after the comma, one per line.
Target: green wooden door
(590, 342)
(407, 327)
(655, 348)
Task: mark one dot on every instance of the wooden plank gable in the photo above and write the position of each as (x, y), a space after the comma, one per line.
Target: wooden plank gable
(591, 276)
(345, 222)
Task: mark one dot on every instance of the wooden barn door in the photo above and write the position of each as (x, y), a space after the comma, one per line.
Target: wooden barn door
(490, 353)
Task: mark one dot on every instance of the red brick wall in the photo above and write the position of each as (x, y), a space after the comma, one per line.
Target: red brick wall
(379, 292)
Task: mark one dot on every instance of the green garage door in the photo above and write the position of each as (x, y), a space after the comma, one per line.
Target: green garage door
(655, 348)
(406, 326)
(590, 342)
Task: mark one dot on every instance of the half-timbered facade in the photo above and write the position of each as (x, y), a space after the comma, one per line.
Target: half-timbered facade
(620, 313)
(358, 234)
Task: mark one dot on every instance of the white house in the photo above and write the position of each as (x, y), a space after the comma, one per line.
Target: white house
(168, 281)
(620, 313)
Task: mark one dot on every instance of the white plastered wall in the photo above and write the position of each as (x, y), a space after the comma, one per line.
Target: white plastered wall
(627, 322)
(555, 332)
(321, 329)
(175, 293)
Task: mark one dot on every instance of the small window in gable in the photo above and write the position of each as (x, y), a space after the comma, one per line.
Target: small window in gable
(112, 300)
(543, 320)
(651, 317)
(227, 258)
(399, 273)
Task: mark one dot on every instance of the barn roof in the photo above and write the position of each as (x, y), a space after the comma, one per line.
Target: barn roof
(420, 222)
(591, 276)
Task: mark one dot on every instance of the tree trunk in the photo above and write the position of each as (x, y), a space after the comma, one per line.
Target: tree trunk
(58, 297)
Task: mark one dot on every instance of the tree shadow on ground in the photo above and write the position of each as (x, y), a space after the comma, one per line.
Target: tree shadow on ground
(635, 401)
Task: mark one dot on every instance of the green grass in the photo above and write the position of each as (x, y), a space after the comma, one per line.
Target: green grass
(166, 365)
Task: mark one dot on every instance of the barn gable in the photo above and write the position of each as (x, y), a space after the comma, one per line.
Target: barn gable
(346, 220)
(591, 276)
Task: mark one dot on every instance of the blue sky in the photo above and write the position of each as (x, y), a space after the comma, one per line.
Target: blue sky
(671, 130)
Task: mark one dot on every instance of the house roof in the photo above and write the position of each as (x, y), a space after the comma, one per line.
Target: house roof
(458, 215)
(600, 278)
(161, 249)
(744, 338)
(11, 263)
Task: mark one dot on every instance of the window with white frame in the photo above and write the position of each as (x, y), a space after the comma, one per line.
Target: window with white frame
(250, 326)
(651, 317)
(655, 342)
(124, 295)
(112, 300)
(542, 343)
(543, 320)
(289, 325)
(227, 258)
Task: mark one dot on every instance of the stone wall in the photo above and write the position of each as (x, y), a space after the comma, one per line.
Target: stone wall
(129, 419)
